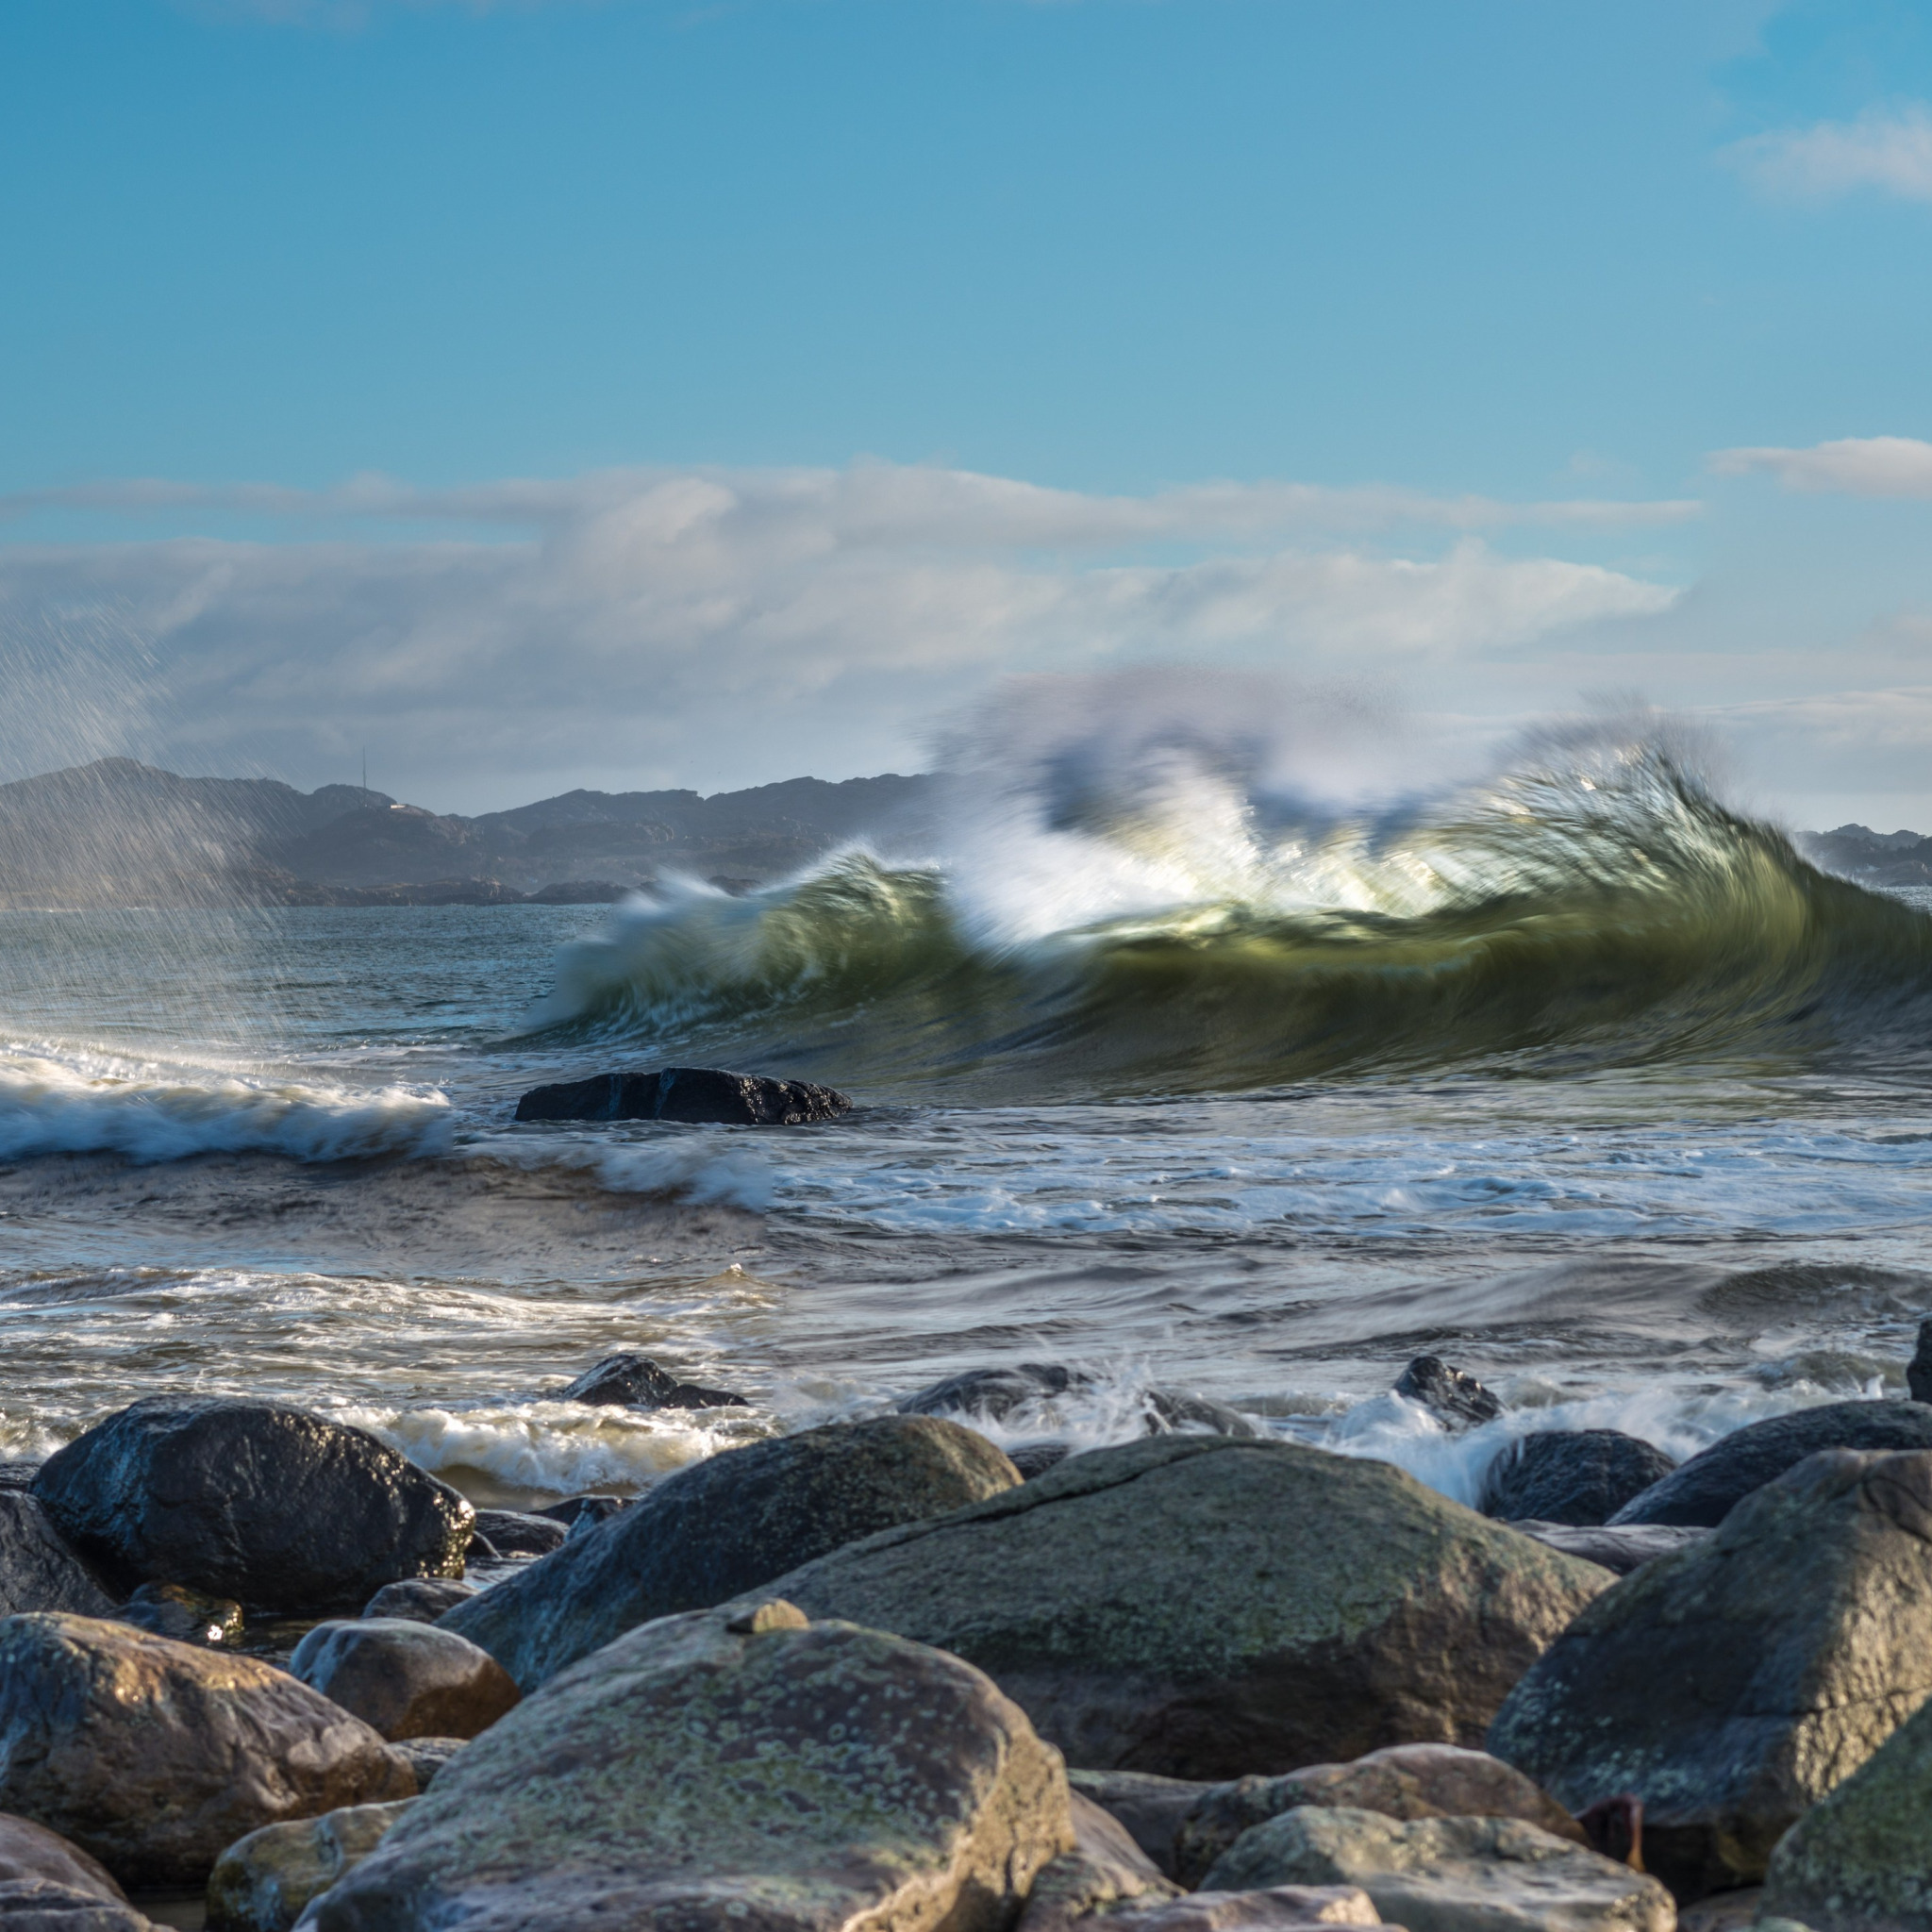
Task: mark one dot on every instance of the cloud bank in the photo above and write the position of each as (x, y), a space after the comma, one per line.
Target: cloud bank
(1888, 149)
(1855, 465)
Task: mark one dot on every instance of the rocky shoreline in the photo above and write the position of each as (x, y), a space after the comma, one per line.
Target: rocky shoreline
(884, 1677)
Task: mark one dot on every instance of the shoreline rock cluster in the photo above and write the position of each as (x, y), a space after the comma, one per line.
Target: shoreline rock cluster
(879, 1676)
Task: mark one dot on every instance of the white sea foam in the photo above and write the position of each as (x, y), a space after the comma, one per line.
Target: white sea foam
(704, 1166)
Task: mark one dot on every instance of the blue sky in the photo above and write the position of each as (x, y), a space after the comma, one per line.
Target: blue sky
(637, 392)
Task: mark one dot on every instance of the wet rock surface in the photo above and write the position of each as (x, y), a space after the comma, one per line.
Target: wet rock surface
(725, 1526)
(186, 1615)
(405, 1680)
(635, 1381)
(573, 1509)
(1622, 1547)
(1733, 1685)
(264, 1882)
(700, 1096)
(511, 1533)
(37, 1569)
(1197, 1607)
(996, 1393)
(729, 1768)
(272, 1506)
(1703, 1490)
(1572, 1475)
(422, 1599)
(153, 1757)
(1454, 1398)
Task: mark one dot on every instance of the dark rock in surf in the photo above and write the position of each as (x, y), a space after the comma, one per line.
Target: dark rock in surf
(510, 1533)
(696, 1095)
(635, 1381)
(1036, 1458)
(1729, 1687)
(37, 1571)
(1624, 1548)
(996, 1393)
(1919, 1370)
(422, 1599)
(1704, 1489)
(277, 1508)
(575, 1509)
(1572, 1475)
(725, 1526)
(1457, 1399)
(186, 1615)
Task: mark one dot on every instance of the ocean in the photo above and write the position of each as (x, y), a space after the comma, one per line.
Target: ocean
(1577, 1076)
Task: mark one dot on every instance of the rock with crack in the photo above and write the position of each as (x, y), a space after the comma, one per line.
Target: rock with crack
(266, 1881)
(1722, 1696)
(728, 1768)
(1202, 1608)
(405, 1680)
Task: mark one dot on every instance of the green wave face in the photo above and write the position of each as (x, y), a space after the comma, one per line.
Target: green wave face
(1598, 909)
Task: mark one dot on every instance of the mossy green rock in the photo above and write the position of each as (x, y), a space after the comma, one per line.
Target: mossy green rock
(264, 1882)
(1204, 1607)
(1731, 1686)
(729, 1770)
(1860, 1859)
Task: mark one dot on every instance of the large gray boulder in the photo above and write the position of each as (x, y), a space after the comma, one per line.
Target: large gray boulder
(153, 1756)
(728, 1768)
(1860, 1859)
(723, 1526)
(1731, 1686)
(1449, 1875)
(37, 1572)
(276, 1507)
(1203, 1608)
(405, 1680)
(1707, 1488)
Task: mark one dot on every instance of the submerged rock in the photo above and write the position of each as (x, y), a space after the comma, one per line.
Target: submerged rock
(1202, 1606)
(1449, 1875)
(511, 1533)
(635, 1381)
(37, 1571)
(1703, 1490)
(1730, 1686)
(264, 1882)
(274, 1507)
(699, 1095)
(1456, 1399)
(725, 1526)
(1572, 1475)
(1623, 1547)
(405, 1680)
(153, 1756)
(995, 1393)
(725, 1769)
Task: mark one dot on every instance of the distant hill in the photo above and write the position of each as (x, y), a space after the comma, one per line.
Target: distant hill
(1873, 858)
(118, 833)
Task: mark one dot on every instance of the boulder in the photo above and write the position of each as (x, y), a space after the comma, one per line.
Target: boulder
(1150, 1806)
(1919, 1370)
(1455, 1399)
(1449, 1875)
(153, 1756)
(29, 1904)
(1704, 1489)
(1730, 1686)
(1036, 1458)
(1572, 1475)
(635, 1381)
(31, 1855)
(1623, 1547)
(272, 1506)
(730, 1768)
(1203, 1608)
(701, 1095)
(37, 1571)
(573, 1509)
(1860, 1859)
(426, 1756)
(510, 1533)
(1283, 1908)
(1406, 1781)
(18, 1476)
(725, 1526)
(405, 1680)
(264, 1882)
(994, 1394)
(1104, 1867)
(186, 1615)
(422, 1599)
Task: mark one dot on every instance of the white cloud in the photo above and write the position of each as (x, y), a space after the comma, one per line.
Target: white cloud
(1856, 465)
(718, 627)
(1890, 149)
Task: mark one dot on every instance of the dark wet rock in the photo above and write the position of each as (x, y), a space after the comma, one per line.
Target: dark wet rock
(1197, 1606)
(700, 1096)
(511, 1533)
(1150, 1806)
(1281, 1909)
(724, 1769)
(186, 1615)
(422, 1599)
(1705, 1487)
(725, 1526)
(635, 1381)
(405, 1680)
(1036, 1458)
(426, 1756)
(37, 1571)
(1406, 1781)
(1730, 1686)
(1449, 1875)
(1456, 1399)
(18, 1476)
(1572, 1475)
(1104, 1867)
(994, 1394)
(1624, 1548)
(1860, 1859)
(574, 1509)
(153, 1757)
(265, 1881)
(1919, 1370)
(33, 1856)
(274, 1506)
